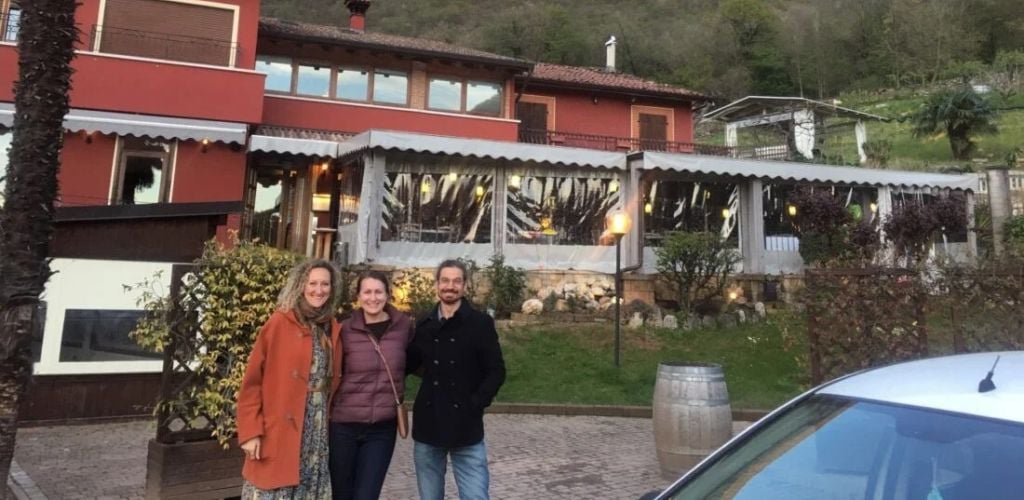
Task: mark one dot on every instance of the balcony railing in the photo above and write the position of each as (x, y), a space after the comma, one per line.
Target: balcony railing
(168, 46)
(613, 143)
(10, 24)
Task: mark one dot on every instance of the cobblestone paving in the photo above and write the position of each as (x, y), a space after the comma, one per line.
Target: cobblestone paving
(531, 457)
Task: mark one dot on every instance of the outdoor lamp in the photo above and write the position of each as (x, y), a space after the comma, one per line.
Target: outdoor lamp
(726, 213)
(515, 181)
(618, 224)
(613, 186)
(791, 210)
(648, 208)
(873, 206)
(453, 176)
(479, 191)
(425, 187)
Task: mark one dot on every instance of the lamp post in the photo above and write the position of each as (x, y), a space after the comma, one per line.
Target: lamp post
(618, 224)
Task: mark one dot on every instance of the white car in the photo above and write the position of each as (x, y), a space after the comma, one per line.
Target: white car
(949, 428)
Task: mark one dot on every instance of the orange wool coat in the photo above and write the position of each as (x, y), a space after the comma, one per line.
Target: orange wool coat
(272, 399)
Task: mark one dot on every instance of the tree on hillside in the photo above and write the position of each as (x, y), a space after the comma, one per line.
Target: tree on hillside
(960, 114)
(46, 39)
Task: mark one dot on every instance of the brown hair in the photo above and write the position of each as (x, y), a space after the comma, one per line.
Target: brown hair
(373, 275)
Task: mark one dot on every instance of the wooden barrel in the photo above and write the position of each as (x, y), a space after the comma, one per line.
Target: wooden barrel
(692, 416)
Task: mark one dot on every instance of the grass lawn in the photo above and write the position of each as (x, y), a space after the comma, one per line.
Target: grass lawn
(573, 364)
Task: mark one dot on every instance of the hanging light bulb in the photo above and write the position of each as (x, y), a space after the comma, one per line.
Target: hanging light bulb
(791, 210)
(453, 176)
(726, 213)
(613, 186)
(479, 191)
(515, 181)
(873, 207)
(425, 187)
(648, 208)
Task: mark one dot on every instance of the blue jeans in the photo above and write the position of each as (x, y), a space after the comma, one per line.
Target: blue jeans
(469, 464)
(360, 456)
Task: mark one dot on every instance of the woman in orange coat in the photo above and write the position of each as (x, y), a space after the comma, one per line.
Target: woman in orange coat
(284, 400)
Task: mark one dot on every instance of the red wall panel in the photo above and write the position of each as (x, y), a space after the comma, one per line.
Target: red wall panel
(610, 115)
(85, 170)
(216, 175)
(351, 118)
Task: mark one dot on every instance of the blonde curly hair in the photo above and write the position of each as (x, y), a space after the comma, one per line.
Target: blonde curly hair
(292, 293)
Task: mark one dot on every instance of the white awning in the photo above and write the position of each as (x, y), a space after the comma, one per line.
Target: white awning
(163, 127)
(802, 172)
(296, 141)
(482, 148)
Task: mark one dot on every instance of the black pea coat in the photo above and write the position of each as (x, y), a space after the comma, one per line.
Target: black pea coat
(462, 368)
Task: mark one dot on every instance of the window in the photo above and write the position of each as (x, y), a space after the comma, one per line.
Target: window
(445, 95)
(174, 31)
(390, 87)
(353, 84)
(278, 71)
(448, 94)
(11, 24)
(5, 147)
(483, 98)
(559, 210)
(144, 175)
(313, 81)
(779, 214)
(690, 206)
(437, 208)
(101, 335)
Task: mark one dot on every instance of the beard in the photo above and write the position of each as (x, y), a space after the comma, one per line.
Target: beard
(450, 298)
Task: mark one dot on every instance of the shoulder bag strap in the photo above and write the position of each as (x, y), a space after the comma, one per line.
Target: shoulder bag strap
(376, 347)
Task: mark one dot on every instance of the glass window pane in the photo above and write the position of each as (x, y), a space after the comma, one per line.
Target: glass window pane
(101, 335)
(390, 87)
(483, 98)
(445, 95)
(353, 84)
(278, 71)
(559, 210)
(671, 205)
(145, 165)
(314, 81)
(13, 24)
(5, 146)
(266, 217)
(437, 208)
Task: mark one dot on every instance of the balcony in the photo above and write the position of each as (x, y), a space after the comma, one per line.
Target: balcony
(165, 46)
(613, 143)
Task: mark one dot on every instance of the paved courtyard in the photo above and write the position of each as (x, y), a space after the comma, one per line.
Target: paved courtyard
(532, 457)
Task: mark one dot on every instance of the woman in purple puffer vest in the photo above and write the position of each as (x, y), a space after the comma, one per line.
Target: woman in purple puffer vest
(363, 416)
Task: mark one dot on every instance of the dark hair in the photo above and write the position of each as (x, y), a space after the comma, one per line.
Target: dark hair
(373, 275)
(458, 264)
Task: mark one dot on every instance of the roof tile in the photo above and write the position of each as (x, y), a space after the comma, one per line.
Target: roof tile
(601, 78)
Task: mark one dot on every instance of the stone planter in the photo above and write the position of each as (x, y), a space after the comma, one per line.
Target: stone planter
(198, 470)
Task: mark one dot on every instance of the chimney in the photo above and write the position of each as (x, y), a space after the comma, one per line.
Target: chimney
(357, 14)
(609, 46)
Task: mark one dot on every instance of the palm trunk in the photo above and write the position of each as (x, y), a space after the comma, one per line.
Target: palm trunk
(45, 47)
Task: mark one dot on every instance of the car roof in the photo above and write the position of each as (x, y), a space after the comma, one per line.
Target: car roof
(947, 384)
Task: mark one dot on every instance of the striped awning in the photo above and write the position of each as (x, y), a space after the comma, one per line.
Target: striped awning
(296, 141)
(157, 127)
(801, 172)
(481, 148)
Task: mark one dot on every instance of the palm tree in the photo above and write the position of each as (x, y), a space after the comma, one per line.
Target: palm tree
(961, 114)
(45, 47)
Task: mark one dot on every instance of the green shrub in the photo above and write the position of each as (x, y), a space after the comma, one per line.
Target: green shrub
(222, 305)
(696, 265)
(414, 292)
(1014, 231)
(507, 286)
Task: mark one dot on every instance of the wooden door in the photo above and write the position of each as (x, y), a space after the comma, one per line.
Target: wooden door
(533, 122)
(653, 132)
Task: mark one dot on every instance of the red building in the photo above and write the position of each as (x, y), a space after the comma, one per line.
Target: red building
(191, 118)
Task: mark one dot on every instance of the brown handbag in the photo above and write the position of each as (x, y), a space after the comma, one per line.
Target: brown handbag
(401, 412)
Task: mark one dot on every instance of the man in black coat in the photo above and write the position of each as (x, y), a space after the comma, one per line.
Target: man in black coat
(457, 351)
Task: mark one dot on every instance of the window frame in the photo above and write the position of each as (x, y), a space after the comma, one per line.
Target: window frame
(297, 63)
(369, 83)
(292, 78)
(464, 83)
(373, 87)
(5, 12)
(123, 153)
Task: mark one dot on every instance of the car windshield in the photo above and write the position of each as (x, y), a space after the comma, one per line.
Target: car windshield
(838, 448)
